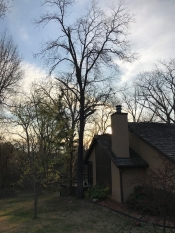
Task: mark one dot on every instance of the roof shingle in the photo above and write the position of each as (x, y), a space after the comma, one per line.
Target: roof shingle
(132, 162)
(161, 136)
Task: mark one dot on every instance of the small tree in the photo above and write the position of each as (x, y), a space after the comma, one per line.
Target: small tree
(53, 92)
(41, 127)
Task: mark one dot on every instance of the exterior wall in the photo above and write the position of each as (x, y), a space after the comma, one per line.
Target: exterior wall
(130, 178)
(149, 154)
(103, 167)
(120, 140)
(92, 159)
(116, 194)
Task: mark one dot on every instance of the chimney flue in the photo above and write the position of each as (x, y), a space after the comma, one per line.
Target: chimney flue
(119, 108)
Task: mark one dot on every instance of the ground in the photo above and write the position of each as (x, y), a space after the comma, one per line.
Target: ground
(122, 209)
(64, 214)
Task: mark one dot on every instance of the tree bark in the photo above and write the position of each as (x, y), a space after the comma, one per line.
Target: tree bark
(70, 179)
(164, 225)
(80, 151)
(35, 200)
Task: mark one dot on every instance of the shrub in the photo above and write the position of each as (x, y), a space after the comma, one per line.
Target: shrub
(97, 192)
(140, 200)
(147, 200)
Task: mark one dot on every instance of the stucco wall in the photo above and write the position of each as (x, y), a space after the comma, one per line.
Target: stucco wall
(92, 159)
(116, 194)
(155, 160)
(120, 141)
(130, 177)
(149, 154)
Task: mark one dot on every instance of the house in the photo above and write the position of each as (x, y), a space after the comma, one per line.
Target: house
(130, 152)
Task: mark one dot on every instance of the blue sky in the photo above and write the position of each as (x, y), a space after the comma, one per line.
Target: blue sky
(152, 36)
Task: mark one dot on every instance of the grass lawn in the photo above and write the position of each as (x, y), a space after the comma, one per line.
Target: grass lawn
(64, 214)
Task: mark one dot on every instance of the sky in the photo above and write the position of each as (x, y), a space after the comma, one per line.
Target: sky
(152, 35)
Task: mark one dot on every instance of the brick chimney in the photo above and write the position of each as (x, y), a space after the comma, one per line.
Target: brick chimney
(120, 138)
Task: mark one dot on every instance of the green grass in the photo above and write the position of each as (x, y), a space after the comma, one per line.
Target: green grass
(64, 214)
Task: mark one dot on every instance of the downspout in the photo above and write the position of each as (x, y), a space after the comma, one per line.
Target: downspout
(121, 184)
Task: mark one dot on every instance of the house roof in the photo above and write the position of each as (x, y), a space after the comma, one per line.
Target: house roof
(105, 141)
(160, 136)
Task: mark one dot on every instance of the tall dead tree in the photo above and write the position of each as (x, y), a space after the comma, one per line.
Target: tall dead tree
(88, 44)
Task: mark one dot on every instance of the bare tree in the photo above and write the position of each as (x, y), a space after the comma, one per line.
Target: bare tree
(134, 105)
(157, 91)
(92, 42)
(10, 67)
(98, 123)
(4, 8)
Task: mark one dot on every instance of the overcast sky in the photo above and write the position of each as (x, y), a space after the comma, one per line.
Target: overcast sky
(152, 35)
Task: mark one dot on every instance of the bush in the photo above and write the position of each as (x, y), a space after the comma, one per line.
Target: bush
(97, 192)
(140, 200)
(147, 200)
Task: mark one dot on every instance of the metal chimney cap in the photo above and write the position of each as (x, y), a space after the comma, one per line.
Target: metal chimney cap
(119, 108)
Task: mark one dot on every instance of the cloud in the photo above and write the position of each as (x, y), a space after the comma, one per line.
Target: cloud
(23, 34)
(152, 36)
(33, 74)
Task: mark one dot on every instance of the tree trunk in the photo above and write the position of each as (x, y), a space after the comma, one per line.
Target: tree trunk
(70, 179)
(36, 194)
(80, 151)
(164, 225)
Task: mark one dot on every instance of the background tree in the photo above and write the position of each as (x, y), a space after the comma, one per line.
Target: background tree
(157, 91)
(95, 40)
(134, 105)
(40, 125)
(6, 154)
(99, 122)
(4, 7)
(54, 92)
(10, 67)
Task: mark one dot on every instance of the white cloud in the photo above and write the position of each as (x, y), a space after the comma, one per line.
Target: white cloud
(33, 74)
(23, 34)
(152, 35)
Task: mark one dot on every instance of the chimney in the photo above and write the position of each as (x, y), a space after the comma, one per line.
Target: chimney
(120, 138)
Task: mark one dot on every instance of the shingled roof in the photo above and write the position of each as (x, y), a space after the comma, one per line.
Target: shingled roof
(105, 141)
(160, 136)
